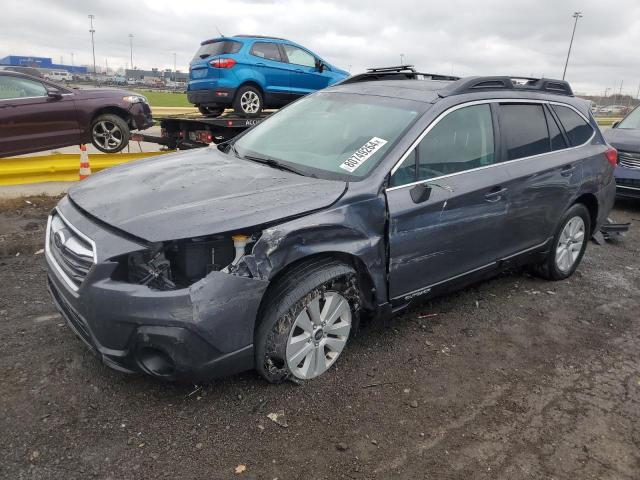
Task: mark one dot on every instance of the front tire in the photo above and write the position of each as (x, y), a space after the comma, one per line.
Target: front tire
(306, 324)
(248, 101)
(110, 133)
(568, 246)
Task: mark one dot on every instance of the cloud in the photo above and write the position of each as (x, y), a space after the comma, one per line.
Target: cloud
(457, 36)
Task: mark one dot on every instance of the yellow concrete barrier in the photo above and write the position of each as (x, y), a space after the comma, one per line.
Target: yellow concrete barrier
(61, 167)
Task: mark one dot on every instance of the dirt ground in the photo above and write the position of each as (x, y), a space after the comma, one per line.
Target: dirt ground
(513, 378)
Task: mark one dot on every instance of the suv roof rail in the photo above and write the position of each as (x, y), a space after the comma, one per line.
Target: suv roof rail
(261, 36)
(399, 72)
(474, 84)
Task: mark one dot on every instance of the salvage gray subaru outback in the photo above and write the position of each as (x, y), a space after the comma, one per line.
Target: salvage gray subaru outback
(361, 199)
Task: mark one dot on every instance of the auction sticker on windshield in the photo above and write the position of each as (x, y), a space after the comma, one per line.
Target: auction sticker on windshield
(363, 154)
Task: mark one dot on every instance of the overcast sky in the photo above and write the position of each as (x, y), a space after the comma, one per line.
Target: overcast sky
(463, 37)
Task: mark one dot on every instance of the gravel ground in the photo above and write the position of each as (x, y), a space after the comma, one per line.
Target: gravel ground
(513, 378)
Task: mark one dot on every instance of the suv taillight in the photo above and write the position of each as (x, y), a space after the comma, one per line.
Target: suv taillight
(612, 156)
(222, 62)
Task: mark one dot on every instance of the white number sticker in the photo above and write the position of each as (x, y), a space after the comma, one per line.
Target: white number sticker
(362, 154)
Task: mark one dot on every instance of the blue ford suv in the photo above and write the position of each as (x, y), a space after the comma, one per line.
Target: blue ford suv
(251, 73)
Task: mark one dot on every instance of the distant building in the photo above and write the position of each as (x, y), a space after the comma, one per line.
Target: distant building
(40, 62)
(165, 75)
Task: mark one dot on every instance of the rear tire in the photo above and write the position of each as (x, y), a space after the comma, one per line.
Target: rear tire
(211, 111)
(248, 101)
(109, 133)
(568, 245)
(307, 320)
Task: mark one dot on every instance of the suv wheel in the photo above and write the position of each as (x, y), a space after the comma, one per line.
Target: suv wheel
(109, 133)
(307, 322)
(211, 111)
(248, 101)
(568, 246)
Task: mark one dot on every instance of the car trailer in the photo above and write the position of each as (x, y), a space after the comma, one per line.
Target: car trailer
(189, 131)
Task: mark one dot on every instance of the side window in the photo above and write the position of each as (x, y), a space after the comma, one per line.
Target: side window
(462, 140)
(298, 56)
(14, 87)
(557, 139)
(406, 173)
(524, 129)
(578, 130)
(266, 50)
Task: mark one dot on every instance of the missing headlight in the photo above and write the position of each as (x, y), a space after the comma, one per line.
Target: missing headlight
(181, 263)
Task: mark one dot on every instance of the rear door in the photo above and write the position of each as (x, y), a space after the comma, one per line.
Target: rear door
(31, 120)
(305, 77)
(272, 67)
(544, 176)
(458, 228)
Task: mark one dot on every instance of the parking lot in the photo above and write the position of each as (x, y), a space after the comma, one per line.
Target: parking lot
(512, 378)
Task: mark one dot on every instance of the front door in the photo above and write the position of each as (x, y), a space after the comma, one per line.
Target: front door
(305, 77)
(31, 120)
(447, 204)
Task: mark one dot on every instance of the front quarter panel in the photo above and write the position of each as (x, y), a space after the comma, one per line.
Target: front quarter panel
(356, 229)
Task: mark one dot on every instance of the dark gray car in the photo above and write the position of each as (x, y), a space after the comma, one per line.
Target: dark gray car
(356, 201)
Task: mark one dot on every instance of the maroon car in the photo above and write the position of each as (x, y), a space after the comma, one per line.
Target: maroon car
(36, 115)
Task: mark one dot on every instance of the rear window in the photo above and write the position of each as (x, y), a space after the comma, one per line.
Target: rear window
(578, 130)
(266, 50)
(217, 47)
(525, 130)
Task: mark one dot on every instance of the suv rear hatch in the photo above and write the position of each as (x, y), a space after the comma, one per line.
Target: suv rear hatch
(200, 69)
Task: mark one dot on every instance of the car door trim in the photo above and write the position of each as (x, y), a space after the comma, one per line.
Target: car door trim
(482, 102)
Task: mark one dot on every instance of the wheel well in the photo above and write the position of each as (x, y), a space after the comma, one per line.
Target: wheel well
(251, 83)
(365, 282)
(120, 112)
(590, 201)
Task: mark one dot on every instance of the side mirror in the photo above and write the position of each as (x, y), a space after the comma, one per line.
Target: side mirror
(420, 193)
(615, 124)
(320, 65)
(54, 94)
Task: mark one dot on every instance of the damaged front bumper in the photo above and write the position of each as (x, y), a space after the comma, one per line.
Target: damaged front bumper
(195, 333)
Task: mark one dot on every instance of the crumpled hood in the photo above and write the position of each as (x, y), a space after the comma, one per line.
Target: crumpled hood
(198, 193)
(623, 139)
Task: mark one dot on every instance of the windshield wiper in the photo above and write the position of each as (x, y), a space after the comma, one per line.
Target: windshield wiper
(273, 163)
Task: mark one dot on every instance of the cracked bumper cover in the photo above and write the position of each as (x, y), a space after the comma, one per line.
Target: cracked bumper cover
(206, 329)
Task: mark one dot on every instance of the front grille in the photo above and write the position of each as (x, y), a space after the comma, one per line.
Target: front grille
(629, 159)
(628, 182)
(69, 250)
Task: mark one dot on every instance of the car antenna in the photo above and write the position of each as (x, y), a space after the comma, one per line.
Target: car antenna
(219, 32)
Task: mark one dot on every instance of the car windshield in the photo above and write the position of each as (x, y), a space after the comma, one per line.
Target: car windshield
(631, 121)
(330, 134)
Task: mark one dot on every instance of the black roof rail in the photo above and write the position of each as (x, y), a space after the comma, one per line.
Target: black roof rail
(399, 72)
(261, 36)
(475, 84)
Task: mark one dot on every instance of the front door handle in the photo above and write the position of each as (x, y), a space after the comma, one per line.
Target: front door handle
(567, 170)
(298, 70)
(259, 64)
(495, 194)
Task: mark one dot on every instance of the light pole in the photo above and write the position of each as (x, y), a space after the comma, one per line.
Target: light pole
(131, 48)
(402, 59)
(174, 63)
(93, 47)
(576, 15)
(72, 64)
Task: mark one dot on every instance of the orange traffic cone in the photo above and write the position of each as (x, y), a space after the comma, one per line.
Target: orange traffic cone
(85, 168)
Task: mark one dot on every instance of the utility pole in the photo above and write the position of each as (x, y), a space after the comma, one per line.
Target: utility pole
(131, 48)
(620, 92)
(93, 46)
(106, 63)
(576, 15)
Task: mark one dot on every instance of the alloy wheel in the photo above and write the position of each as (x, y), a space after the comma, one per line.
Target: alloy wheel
(107, 134)
(250, 102)
(570, 244)
(318, 335)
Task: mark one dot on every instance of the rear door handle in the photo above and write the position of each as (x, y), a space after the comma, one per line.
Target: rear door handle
(298, 70)
(259, 64)
(495, 194)
(567, 170)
